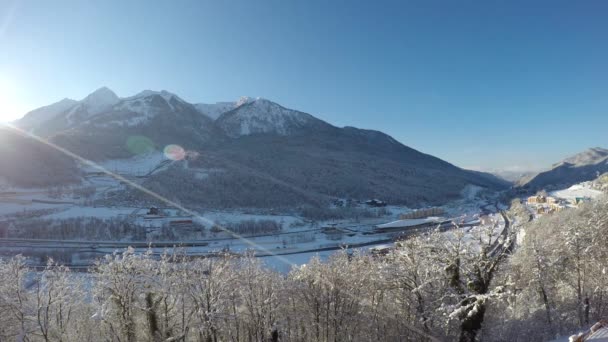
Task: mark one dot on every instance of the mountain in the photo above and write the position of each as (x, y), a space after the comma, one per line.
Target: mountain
(102, 125)
(46, 113)
(313, 164)
(29, 163)
(512, 175)
(216, 109)
(64, 114)
(263, 116)
(256, 153)
(584, 166)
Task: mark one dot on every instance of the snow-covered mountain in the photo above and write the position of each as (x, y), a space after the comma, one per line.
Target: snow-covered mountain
(591, 156)
(584, 166)
(66, 113)
(99, 101)
(43, 114)
(214, 110)
(262, 116)
(141, 108)
(103, 109)
(262, 154)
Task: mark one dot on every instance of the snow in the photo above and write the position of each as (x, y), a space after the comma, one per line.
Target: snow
(245, 100)
(262, 116)
(470, 192)
(215, 110)
(410, 222)
(293, 260)
(163, 93)
(46, 113)
(141, 104)
(10, 208)
(138, 165)
(577, 190)
(599, 336)
(100, 100)
(95, 103)
(99, 212)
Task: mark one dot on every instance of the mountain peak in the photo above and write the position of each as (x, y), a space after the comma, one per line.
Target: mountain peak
(245, 100)
(259, 115)
(45, 113)
(599, 150)
(166, 95)
(103, 92)
(100, 100)
(581, 167)
(590, 156)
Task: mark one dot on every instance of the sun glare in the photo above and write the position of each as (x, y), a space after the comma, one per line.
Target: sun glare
(10, 106)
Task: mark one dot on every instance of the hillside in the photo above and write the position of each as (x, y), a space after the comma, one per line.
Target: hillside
(584, 166)
(28, 163)
(256, 153)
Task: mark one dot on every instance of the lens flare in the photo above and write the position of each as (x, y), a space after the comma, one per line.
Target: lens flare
(138, 144)
(175, 152)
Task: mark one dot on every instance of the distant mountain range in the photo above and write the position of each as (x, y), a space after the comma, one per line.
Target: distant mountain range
(251, 152)
(584, 166)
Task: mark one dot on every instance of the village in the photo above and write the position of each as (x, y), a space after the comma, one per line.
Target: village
(272, 236)
(556, 201)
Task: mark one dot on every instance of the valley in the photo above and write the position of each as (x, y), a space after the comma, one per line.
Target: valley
(291, 240)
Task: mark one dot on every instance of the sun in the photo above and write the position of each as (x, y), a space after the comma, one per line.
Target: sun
(11, 108)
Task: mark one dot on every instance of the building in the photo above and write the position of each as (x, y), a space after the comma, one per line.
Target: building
(556, 207)
(537, 199)
(422, 213)
(375, 203)
(409, 224)
(550, 208)
(180, 223)
(551, 200)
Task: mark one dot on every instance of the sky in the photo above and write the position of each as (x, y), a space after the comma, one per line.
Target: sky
(489, 85)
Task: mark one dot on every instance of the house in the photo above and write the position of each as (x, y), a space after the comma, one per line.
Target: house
(537, 199)
(551, 200)
(556, 207)
(422, 213)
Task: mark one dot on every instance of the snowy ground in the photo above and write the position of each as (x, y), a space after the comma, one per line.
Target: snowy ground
(138, 165)
(298, 240)
(99, 212)
(577, 190)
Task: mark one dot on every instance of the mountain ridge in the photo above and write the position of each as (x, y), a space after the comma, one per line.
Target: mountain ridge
(266, 148)
(583, 166)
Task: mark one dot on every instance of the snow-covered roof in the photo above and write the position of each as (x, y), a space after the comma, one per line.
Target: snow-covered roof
(410, 222)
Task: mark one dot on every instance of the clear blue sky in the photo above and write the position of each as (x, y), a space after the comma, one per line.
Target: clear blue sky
(482, 84)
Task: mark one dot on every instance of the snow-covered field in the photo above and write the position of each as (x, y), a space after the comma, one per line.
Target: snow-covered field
(296, 242)
(577, 190)
(138, 165)
(99, 212)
